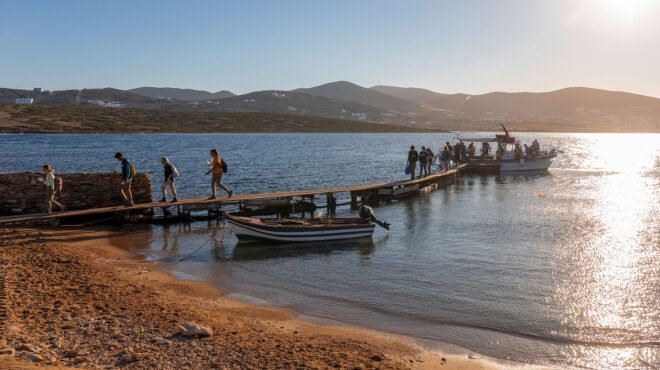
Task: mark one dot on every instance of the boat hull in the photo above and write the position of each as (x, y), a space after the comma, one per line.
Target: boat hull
(527, 164)
(248, 231)
(530, 164)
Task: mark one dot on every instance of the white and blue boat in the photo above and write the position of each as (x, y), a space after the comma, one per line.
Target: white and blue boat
(288, 230)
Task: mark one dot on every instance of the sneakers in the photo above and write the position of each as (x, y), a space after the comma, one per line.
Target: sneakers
(162, 200)
(229, 194)
(129, 204)
(174, 200)
(211, 197)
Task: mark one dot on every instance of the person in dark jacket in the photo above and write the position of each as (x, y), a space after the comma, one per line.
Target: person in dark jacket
(168, 179)
(126, 179)
(445, 156)
(457, 153)
(423, 156)
(413, 157)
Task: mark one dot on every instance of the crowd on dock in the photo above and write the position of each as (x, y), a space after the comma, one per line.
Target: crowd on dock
(453, 155)
(447, 156)
(217, 165)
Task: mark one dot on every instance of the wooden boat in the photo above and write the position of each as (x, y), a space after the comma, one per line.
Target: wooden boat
(299, 230)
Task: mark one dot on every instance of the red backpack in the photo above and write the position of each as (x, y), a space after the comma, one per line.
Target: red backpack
(58, 184)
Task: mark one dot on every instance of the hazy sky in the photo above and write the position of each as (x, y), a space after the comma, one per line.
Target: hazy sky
(456, 46)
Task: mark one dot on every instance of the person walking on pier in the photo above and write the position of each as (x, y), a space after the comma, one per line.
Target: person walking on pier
(445, 156)
(457, 154)
(168, 181)
(413, 157)
(218, 168)
(429, 160)
(51, 189)
(127, 171)
(423, 156)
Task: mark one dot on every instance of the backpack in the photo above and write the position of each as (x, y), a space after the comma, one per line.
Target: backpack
(224, 166)
(175, 173)
(132, 171)
(58, 184)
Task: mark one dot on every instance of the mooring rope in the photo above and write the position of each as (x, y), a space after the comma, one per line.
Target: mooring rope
(222, 237)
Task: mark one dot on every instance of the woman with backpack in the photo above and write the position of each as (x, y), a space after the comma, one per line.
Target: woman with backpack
(218, 167)
(170, 175)
(51, 189)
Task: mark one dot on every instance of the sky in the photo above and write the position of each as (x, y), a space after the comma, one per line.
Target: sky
(446, 46)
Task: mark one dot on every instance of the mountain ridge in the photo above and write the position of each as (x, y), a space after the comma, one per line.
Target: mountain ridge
(348, 91)
(181, 94)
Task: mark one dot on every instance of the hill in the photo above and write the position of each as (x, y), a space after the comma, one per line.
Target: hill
(347, 91)
(413, 94)
(181, 94)
(293, 102)
(73, 97)
(92, 119)
(565, 101)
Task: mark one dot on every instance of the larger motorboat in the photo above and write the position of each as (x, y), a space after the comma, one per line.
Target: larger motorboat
(501, 151)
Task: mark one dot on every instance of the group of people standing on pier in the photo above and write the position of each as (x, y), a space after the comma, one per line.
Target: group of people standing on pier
(170, 174)
(447, 155)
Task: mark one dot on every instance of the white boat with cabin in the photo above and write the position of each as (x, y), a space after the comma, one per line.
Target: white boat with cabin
(503, 154)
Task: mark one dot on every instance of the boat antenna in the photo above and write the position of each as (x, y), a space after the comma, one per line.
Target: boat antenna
(506, 132)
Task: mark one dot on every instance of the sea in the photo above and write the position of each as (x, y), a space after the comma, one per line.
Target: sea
(558, 268)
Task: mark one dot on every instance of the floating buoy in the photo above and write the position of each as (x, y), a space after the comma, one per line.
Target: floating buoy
(542, 195)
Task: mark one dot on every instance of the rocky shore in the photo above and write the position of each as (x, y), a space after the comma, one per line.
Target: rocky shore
(68, 298)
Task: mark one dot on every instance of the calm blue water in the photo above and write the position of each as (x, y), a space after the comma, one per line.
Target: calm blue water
(570, 279)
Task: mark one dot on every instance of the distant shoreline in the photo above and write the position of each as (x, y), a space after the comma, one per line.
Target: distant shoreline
(59, 119)
(96, 120)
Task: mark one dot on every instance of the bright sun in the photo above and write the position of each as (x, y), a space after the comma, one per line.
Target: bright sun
(624, 9)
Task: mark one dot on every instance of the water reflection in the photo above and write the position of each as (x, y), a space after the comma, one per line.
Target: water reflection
(608, 292)
(267, 251)
(570, 279)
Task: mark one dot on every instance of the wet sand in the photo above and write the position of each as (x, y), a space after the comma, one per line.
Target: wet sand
(70, 298)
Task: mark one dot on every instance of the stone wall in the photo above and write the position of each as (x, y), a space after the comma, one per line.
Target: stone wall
(21, 192)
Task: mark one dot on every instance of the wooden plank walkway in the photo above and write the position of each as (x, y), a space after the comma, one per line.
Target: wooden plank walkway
(434, 178)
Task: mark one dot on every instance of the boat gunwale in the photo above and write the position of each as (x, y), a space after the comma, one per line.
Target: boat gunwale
(300, 227)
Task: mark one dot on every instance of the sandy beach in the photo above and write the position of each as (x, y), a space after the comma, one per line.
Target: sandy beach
(72, 299)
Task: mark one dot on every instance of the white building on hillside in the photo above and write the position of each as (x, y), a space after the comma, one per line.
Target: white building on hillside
(24, 101)
(359, 116)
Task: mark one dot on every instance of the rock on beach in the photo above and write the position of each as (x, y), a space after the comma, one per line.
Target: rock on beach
(190, 329)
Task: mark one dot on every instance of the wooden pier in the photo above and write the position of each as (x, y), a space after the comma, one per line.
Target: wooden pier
(366, 193)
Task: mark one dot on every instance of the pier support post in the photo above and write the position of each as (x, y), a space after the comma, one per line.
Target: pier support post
(332, 203)
(354, 200)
